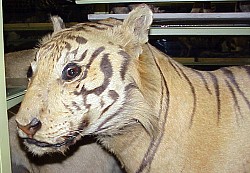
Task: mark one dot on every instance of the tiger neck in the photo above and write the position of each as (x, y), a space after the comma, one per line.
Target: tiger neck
(136, 148)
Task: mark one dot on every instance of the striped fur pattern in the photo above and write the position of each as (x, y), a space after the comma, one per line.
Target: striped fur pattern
(154, 114)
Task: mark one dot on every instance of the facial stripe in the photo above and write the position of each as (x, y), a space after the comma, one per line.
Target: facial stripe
(217, 94)
(68, 46)
(124, 66)
(130, 86)
(81, 40)
(82, 56)
(107, 108)
(93, 56)
(101, 127)
(74, 52)
(80, 27)
(105, 24)
(68, 107)
(113, 94)
(95, 26)
(76, 106)
(107, 70)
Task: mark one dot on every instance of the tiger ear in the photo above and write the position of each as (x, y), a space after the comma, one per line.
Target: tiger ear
(57, 22)
(139, 21)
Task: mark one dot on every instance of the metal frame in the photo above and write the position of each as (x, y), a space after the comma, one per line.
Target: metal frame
(4, 135)
(123, 1)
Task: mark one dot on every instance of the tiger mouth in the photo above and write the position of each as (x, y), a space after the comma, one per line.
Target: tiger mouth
(69, 141)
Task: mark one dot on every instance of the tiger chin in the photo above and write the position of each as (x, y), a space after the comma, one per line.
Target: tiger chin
(40, 147)
(155, 115)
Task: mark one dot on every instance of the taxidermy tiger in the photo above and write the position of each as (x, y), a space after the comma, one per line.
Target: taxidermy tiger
(154, 114)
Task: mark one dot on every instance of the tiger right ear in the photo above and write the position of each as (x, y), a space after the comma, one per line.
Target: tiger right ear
(138, 22)
(58, 23)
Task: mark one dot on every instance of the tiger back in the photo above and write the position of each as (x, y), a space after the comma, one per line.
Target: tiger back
(152, 113)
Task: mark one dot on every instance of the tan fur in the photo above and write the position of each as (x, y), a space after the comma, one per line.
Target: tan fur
(81, 159)
(153, 113)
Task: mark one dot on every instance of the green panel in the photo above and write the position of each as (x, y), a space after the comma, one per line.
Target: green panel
(4, 135)
(200, 31)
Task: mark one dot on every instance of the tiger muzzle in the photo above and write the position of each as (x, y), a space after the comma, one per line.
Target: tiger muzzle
(31, 128)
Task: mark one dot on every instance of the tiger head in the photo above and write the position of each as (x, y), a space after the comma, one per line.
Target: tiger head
(85, 81)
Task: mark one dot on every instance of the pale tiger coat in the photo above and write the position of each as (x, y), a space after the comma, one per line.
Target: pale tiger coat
(153, 113)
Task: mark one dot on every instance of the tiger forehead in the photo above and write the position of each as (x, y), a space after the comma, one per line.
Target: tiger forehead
(80, 34)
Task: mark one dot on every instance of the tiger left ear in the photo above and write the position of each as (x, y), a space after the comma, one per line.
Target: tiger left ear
(58, 23)
(139, 21)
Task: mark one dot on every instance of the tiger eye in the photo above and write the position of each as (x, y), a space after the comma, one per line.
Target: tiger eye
(71, 71)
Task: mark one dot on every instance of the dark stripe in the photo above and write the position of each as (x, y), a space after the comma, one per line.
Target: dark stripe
(100, 127)
(47, 47)
(68, 107)
(95, 26)
(247, 69)
(111, 43)
(175, 68)
(107, 70)
(82, 56)
(194, 96)
(107, 108)
(102, 103)
(154, 144)
(130, 86)
(68, 46)
(74, 52)
(217, 94)
(105, 24)
(203, 80)
(70, 37)
(75, 105)
(236, 104)
(79, 28)
(93, 56)
(113, 94)
(87, 106)
(124, 66)
(81, 40)
(232, 79)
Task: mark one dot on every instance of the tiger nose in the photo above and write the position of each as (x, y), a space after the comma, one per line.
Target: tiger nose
(31, 128)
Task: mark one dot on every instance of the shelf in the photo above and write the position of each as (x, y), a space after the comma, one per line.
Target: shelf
(142, 1)
(200, 31)
(225, 29)
(212, 61)
(182, 16)
(14, 96)
(31, 26)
